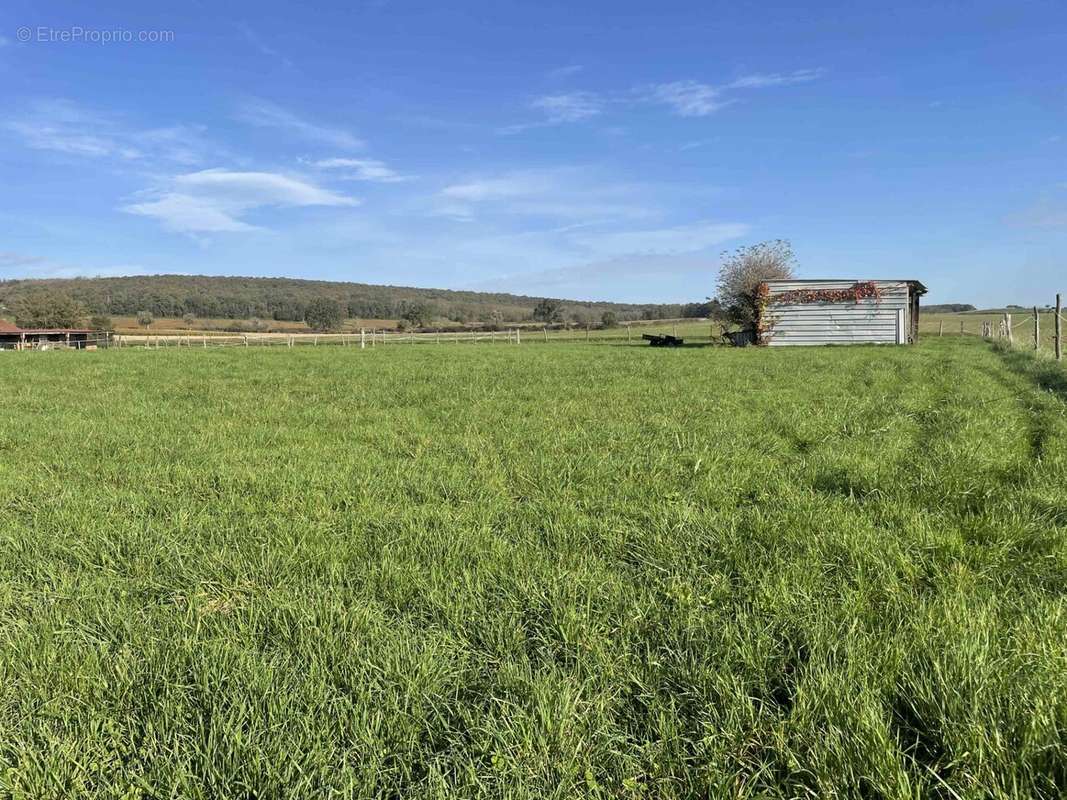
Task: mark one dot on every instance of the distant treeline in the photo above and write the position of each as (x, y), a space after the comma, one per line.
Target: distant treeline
(949, 308)
(287, 299)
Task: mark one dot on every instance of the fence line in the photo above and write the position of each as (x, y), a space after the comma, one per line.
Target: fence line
(1005, 328)
(364, 339)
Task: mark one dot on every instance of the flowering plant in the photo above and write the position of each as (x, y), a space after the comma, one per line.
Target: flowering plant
(856, 292)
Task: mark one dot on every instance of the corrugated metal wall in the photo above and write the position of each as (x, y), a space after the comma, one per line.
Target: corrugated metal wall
(870, 320)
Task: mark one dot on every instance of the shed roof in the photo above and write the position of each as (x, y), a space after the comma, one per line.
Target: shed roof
(917, 285)
(55, 330)
(7, 327)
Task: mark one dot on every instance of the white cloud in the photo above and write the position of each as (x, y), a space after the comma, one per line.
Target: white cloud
(16, 265)
(260, 188)
(362, 169)
(567, 193)
(43, 136)
(187, 213)
(569, 107)
(62, 126)
(694, 99)
(263, 114)
(559, 73)
(672, 240)
(516, 184)
(688, 98)
(258, 42)
(560, 108)
(765, 80)
(212, 201)
(9, 260)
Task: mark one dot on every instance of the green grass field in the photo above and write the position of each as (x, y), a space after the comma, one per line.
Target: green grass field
(531, 572)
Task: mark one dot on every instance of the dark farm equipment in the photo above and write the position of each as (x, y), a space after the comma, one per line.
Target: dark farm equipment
(662, 340)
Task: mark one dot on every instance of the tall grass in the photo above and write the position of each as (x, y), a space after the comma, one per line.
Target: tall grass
(533, 572)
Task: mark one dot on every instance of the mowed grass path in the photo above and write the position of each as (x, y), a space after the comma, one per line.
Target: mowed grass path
(533, 572)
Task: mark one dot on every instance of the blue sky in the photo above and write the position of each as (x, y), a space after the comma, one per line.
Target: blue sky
(587, 150)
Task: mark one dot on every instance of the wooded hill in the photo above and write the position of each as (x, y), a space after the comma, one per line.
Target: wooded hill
(206, 296)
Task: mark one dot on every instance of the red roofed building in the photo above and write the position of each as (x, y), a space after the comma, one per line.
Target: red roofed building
(12, 337)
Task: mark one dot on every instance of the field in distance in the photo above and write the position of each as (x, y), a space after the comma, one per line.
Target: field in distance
(1022, 321)
(164, 326)
(534, 572)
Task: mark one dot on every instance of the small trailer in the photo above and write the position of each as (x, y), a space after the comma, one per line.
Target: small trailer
(662, 340)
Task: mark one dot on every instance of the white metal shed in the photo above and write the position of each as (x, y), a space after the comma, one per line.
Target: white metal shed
(814, 312)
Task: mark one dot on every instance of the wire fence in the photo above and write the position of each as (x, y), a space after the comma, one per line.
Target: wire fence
(1011, 328)
(1004, 329)
(696, 331)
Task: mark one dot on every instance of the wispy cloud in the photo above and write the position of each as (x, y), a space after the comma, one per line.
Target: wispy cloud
(571, 195)
(65, 127)
(213, 201)
(264, 114)
(569, 71)
(764, 80)
(666, 267)
(560, 108)
(569, 107)
(260, 44)
(17, 265)
(677, 239)
(361, 169)
(688, 98)
(9, 260)
(694, 99)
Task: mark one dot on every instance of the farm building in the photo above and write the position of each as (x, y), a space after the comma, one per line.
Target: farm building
(13, 337)
(814, 312)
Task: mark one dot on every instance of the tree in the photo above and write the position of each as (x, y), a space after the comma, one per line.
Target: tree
(144, 318)
(324, 314)
(188, 319)
(744, 270)
(492, 319)
(418, 314)
(609, 319)
(44, 308)
(548, 310)
(100, 322)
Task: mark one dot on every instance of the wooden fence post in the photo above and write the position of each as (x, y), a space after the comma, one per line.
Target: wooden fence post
(628, 331)
(205, 342)
(245, 337)
(362, 339)
(1007, 328)
(941, 328)
(518, 336)
(1037, 330)
(1059, 330)
(545, 330)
